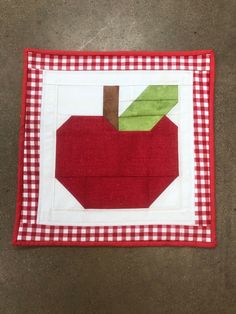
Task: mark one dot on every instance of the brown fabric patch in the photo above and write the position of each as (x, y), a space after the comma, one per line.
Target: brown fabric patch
(110, 104)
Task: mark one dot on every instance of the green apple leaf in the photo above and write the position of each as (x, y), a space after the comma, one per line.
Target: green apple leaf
(148, 109)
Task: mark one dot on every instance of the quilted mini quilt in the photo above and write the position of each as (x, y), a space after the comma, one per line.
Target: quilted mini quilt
(116, 149)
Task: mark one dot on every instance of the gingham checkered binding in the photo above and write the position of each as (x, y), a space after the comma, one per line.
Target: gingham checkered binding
(28, 231)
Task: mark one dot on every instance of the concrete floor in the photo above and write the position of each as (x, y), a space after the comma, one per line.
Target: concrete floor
(119, 280)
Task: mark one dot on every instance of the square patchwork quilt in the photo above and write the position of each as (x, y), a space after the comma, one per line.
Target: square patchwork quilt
(116, 149)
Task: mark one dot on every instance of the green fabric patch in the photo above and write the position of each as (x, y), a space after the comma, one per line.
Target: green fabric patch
(148, 109)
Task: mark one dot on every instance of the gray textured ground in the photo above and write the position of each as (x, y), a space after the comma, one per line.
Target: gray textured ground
(123, 280)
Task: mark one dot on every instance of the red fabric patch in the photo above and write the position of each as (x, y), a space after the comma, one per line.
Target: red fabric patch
(106, 168)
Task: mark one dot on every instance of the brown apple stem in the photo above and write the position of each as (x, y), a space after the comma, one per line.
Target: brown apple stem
(110, 104)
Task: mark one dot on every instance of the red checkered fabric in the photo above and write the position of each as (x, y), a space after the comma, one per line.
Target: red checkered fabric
(201, 234)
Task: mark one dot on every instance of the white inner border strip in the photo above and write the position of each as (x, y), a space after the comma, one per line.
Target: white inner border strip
(121, 78)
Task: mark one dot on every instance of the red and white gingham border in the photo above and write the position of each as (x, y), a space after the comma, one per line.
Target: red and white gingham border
(27, 232)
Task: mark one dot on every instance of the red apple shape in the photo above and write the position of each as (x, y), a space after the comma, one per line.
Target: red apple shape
(105, 168)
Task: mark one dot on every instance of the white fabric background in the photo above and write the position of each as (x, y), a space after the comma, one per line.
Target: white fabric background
(81, 93)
